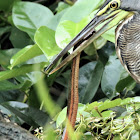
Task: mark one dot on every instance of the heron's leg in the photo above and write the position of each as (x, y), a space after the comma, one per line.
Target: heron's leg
(73, 99)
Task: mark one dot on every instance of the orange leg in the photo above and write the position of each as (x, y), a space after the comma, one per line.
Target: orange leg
(73, 96)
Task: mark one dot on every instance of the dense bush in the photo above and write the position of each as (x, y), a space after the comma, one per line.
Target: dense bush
(31, 34)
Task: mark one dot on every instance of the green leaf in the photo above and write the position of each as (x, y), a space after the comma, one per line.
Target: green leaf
(96, 45)
(53, 23)
(89, 80)
(81, 9)
(110, 104)
(131, 100)
(28, 16)
(127, 82)
(26, 85)
(4, 30)
(11, 95)
(19, 71)
(110, 35)
(5, 56)
(99, 42)
(19, 39)
(92, 105)
(25, 54)
(17, 108)
(6, 5)
(6, 85)
(38, 59)
(61, 117)
(90, 50)
(67, 30)
(107, 114)
(33, 76)
(35, 115)
(28, 80)
(111, 76)
(62, 6)
(45, 39)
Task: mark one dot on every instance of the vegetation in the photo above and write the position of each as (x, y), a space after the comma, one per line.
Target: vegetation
(31, 34)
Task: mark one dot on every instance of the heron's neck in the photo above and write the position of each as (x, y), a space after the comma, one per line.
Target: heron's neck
(130, 5)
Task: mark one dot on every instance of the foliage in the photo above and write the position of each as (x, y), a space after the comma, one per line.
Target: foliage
(117, 119)
(30, 36)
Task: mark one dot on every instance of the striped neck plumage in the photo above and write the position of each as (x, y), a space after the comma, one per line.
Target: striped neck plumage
(130, 5)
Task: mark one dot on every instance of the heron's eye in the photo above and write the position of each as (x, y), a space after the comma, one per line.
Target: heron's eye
(114, 5)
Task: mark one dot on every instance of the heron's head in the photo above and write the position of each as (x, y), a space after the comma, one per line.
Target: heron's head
(109, 15)
(127, 5)
(113, 7)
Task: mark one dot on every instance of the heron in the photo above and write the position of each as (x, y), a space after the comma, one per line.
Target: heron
(126, 15)
(127, 34)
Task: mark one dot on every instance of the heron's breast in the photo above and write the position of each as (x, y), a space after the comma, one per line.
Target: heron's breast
(128, 45)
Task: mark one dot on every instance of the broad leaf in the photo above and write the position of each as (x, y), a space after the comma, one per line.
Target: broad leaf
(89, 80)
(11, 95)
(110, 35)
(6, 5)
(22, 109)
(20, 71)
(6, 85)
(4, 30)
(53, 23)
(111, 76)
(45, 39)
(18, 109)
(96, 45)
(28, 16)
(25, 54)
(62, 115)
(126, 82)
(62, 6)
(67, 30)
(81, 9)
(110, 104)
(5, 56)
(19, 39)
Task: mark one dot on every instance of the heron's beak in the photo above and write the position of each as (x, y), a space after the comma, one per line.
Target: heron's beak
(88, 35)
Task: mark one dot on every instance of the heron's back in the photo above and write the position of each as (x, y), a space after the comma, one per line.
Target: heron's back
(128, 45)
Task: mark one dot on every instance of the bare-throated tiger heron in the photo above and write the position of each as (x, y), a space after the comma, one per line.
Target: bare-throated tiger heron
(126, 13)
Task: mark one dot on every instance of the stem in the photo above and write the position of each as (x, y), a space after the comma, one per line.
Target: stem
(69, 2)
(96, 108)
